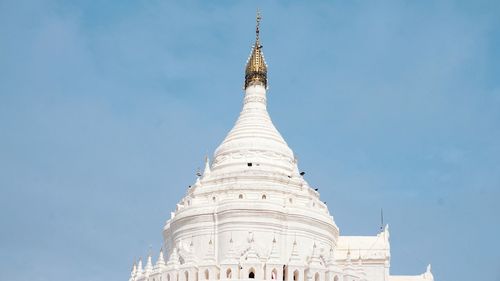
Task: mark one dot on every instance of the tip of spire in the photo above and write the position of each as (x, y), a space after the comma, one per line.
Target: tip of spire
(428, 274)
(256, 69)
(134, 268)
(206, 171)
(258, 18)
(139, 265)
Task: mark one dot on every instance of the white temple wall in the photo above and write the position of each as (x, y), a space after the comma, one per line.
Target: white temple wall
(377, 272)
(274, 272)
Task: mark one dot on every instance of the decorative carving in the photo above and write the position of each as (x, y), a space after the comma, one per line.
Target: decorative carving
(271, 155)
(255, 99)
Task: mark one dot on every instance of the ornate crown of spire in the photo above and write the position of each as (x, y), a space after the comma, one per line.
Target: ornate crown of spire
(256, 69)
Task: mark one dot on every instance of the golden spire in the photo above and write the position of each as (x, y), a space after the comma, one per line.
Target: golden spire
(256, 69)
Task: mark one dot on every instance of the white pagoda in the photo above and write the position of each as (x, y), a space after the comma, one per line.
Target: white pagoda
(252, 215)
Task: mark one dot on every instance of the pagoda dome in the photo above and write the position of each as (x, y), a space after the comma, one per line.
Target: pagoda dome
(251, 194)
(252, 215)
(254, 143)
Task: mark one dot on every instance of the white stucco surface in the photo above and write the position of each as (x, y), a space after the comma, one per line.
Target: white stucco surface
(252, 215)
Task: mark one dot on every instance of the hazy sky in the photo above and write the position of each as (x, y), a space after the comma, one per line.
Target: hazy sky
(108, 108)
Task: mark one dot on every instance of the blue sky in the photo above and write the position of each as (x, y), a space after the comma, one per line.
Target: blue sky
(108, 108)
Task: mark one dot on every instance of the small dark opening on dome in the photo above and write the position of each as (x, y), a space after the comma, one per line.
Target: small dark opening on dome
(249, 164)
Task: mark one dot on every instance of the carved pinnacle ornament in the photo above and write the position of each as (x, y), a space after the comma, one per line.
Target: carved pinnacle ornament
(256, 69)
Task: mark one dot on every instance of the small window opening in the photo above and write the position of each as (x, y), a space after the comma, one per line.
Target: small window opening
(274, 274)
(240, 196)
(264, 197)
(249, 164)
(251, 275)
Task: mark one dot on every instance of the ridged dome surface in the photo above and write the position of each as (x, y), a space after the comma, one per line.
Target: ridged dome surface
(254, 143)
(251, 205)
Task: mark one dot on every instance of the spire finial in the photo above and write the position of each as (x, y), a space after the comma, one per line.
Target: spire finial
(149, 264)
(134, 269)
(206, 172)
(139, 267)
(161, 260)
(256, 69)
(257, 27)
